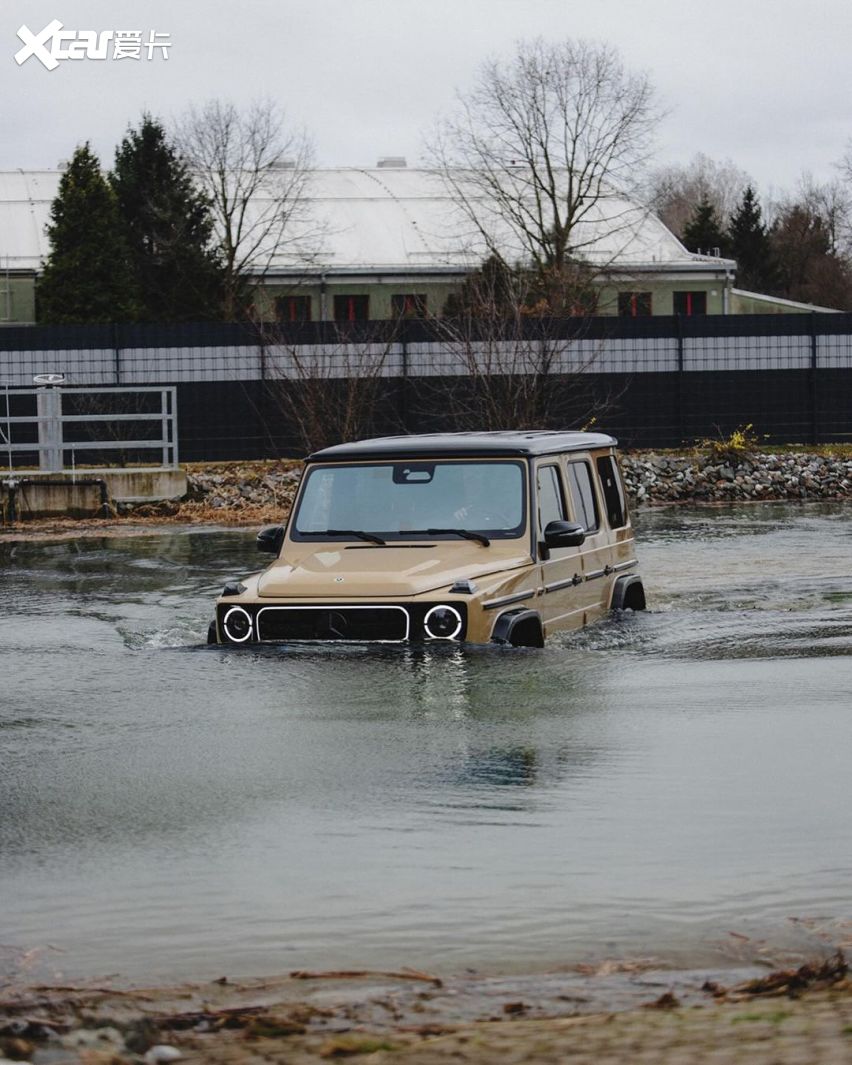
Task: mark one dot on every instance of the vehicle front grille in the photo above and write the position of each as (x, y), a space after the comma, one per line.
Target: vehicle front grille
(378, 623)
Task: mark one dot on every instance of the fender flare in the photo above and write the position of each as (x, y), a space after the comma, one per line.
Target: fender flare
(212, 633)
(509, 622)
(621, 593)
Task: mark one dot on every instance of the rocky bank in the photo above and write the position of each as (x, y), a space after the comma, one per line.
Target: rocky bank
(243, 490)
(699, 478)
(650, 477)
(262, 493)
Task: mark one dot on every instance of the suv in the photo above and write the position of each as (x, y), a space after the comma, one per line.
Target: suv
(501, 537)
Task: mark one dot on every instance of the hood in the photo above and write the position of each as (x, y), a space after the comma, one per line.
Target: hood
(339, 571)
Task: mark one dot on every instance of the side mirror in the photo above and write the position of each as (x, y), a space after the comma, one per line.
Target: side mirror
(270, 539)
(564, 534)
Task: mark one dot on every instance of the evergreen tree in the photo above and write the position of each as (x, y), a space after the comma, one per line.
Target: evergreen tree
(489, 292)
(808, 270)
(703, 232)
(87, 277)
(498, 291)
(751, 247)
(168, 228)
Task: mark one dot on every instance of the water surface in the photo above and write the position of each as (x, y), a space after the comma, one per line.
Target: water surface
(645, 787)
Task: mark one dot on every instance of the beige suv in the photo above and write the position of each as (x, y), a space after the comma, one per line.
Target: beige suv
(500, 537)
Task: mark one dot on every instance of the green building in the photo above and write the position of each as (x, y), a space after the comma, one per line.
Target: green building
(391, 241)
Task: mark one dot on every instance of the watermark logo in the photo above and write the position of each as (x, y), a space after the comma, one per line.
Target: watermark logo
(53, 44)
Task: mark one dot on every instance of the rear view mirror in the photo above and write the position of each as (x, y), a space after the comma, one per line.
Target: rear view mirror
(270, 539)
(564, 534)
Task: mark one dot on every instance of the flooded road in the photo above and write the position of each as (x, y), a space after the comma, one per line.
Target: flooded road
(646, 787)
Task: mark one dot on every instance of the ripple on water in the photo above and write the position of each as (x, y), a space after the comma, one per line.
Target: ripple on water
(645, 786)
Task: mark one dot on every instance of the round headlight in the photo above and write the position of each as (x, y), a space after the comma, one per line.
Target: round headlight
(237, 624)
(443, 623)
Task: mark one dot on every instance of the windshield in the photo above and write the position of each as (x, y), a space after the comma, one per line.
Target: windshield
(405, 500)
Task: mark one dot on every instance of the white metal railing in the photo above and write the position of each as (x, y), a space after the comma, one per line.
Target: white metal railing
(52, 445)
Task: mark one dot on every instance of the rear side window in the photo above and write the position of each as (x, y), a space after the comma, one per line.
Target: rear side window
(583, 495)
(613, 493)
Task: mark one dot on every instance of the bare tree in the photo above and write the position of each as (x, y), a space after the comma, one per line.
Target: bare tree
(535, 151)
(255, 169)
(330, 392)
(830, 201)
(501, 361)
(844, 167)
(674, 192)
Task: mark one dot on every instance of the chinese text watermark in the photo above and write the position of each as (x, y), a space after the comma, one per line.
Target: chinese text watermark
(53, 44)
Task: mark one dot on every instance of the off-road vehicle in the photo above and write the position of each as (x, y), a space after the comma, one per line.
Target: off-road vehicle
(499, 537)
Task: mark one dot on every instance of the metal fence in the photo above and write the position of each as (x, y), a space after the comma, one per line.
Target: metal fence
(52, 426)
(653, 381)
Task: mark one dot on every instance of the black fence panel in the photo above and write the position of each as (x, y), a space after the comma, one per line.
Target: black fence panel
(251, 391)
(223, 420)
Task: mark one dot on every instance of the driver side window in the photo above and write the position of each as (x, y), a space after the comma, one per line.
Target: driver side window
(551, 503)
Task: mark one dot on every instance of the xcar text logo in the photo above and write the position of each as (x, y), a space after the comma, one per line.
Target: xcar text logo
(53, 44)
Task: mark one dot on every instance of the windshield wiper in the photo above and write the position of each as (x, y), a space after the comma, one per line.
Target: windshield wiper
(359, 534)
(480, 538)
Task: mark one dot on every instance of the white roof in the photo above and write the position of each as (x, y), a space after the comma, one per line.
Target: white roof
(371, 220)
(25, 198)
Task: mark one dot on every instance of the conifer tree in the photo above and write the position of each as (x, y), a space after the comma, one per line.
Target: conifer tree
(168, 229)
(751, 247)
(87, 277)
(808, 270)
(703, 232)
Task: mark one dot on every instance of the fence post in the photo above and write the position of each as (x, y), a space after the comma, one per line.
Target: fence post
(116, 354)
(49, 410)
(267, 448)
(680, 380)
(812, 383)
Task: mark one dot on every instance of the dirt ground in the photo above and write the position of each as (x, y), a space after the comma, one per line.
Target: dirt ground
(792, 1017)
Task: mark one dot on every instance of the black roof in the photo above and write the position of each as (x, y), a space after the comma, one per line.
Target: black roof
(458, 445)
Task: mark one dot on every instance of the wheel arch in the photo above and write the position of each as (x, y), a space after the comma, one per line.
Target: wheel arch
(520, 627)
(628, 593)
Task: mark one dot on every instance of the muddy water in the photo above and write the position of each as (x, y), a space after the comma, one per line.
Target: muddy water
(645, 788)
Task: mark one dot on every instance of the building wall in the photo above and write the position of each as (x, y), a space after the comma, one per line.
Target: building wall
(17, 297)
(380, 293)
(662, 295)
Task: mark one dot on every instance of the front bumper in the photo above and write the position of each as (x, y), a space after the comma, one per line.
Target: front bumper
(250, 623)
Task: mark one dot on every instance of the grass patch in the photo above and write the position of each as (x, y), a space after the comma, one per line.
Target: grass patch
(768, 1017)
(347, 1046)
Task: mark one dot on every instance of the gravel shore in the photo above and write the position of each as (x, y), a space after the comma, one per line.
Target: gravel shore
(235, 490)
(699, 478)
(643, 1016)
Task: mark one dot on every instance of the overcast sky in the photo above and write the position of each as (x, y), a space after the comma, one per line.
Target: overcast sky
(766, 84)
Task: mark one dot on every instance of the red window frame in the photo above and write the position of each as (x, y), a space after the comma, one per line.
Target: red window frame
(348, 308)
(408, 304)
(635, 304)
(293, 308)
(689, 299)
